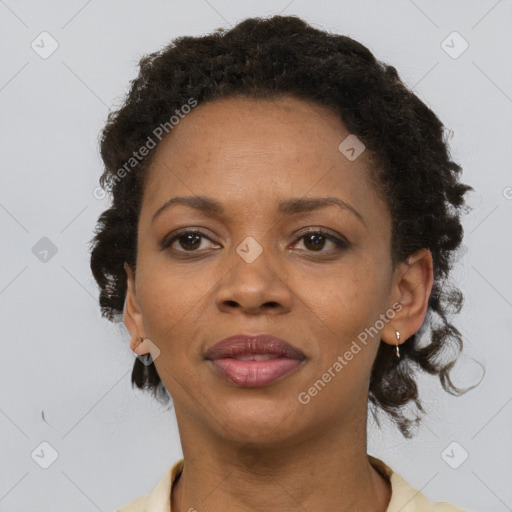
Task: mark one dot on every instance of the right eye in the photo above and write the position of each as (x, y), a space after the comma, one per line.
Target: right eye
(189, 241)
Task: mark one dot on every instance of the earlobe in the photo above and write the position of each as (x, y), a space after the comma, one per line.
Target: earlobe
(132, 316)
(413, 284)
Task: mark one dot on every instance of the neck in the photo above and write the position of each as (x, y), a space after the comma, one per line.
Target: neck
(330, 471)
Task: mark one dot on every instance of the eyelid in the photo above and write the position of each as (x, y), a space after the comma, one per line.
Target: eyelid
(336, 238)
(171, 237)
(324, 231)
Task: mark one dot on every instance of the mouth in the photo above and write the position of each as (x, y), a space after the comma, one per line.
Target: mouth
(254, 361)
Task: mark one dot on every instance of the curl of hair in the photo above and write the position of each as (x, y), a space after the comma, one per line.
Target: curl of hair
(283, 55)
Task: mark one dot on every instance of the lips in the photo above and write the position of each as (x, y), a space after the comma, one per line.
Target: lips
(242, 345)
(253, 361)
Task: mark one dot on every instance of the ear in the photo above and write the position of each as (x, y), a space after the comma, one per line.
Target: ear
(132, 315)
(412, 285)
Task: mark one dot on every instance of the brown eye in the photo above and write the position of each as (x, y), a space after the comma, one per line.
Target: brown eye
(189, 241)
(315, 241)
(185, 241)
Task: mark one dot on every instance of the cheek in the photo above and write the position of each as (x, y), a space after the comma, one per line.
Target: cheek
(346, 299)
(171, 305)
(343, 306)
(171, 300)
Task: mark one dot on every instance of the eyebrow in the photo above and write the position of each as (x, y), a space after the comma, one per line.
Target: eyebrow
(212, 207)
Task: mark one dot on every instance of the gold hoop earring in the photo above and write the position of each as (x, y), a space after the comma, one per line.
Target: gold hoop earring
(397, 339)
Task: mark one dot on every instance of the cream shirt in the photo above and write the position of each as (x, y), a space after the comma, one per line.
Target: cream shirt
(404, 498)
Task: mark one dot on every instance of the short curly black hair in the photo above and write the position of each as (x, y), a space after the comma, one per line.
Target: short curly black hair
(283, 55)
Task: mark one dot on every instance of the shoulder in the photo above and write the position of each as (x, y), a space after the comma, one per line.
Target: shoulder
(160, 497)
(404, 497)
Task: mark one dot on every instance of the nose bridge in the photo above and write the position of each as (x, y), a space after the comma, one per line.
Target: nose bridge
(253, 281)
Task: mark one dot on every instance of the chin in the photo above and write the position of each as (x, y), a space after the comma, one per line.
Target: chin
(258, 421)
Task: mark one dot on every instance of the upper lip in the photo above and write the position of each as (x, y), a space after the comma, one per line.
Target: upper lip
(243, 344)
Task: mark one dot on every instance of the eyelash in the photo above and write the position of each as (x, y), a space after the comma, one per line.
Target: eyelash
(339, 243)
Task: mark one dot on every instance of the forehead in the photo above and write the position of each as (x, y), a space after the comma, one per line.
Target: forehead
(227, 127)
(247, 151)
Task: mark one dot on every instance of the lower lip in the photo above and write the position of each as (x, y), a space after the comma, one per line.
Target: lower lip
(254, 374)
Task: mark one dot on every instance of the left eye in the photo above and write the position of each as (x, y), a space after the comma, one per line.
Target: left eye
(315, 241)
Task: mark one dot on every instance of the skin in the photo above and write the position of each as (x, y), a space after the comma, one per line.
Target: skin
(251, 449)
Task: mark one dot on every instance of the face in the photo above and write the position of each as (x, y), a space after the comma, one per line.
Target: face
(316, 290)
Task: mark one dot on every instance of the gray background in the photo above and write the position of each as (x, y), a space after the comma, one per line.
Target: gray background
(65, 375)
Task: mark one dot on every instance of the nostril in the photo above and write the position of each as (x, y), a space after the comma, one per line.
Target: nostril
(266, 305)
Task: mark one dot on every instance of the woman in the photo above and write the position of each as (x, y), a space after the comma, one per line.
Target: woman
(284, 215)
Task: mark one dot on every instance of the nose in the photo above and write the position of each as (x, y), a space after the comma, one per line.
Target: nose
(254, 288)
